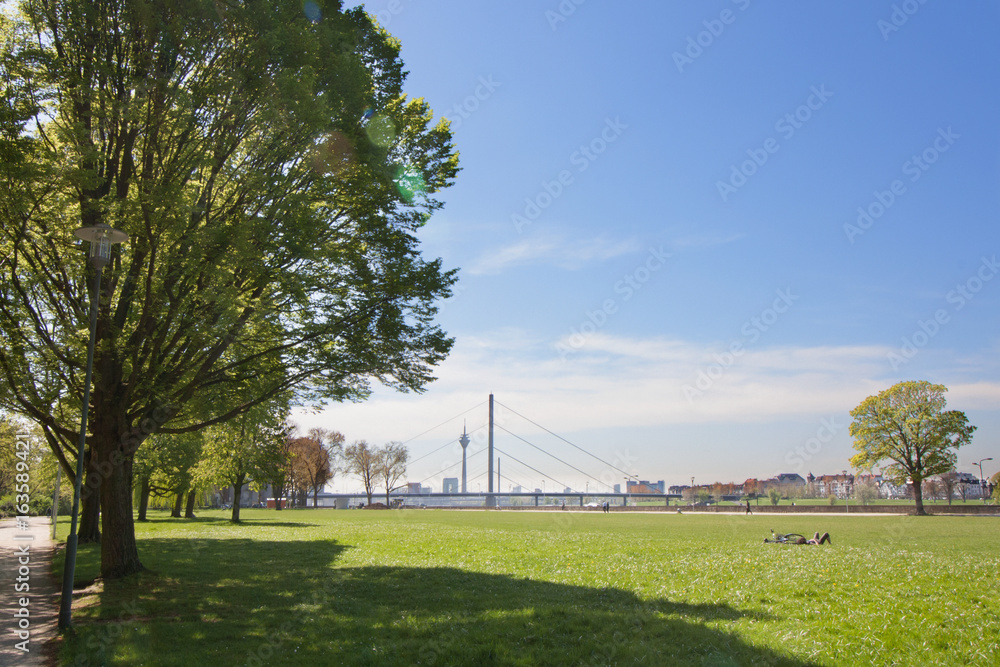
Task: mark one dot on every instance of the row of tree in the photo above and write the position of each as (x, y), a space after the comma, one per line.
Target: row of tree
(180, 469)
(260, 449)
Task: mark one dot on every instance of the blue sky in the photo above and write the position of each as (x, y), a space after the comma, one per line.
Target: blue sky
(693, 236)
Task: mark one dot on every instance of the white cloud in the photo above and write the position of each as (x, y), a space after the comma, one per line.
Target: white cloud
(612, 382)
(552, 249)
(750, 421)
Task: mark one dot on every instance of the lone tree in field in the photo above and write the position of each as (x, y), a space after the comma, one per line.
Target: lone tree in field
(391, 465)
(271, 177)
(906, 429)
(361, 459)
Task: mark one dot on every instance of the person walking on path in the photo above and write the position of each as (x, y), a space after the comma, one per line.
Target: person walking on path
(27, 583)
(749, 511)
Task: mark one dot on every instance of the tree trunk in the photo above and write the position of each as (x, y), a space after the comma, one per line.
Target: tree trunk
(175, 513)
(316, 496)
(143, 498)
(189, 510)
(89, 530)
(119, 552)
(918, 498)
(237, 492)
(277, 497)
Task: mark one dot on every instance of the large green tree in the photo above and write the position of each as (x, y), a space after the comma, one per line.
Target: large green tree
(907, 430)
(271, 177)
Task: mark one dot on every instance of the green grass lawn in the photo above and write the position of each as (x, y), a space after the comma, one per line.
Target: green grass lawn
(433, 587)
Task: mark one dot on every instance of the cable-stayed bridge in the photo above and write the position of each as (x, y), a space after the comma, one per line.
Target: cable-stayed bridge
(494, 471)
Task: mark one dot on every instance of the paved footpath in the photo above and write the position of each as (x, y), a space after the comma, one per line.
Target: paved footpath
(42, 594)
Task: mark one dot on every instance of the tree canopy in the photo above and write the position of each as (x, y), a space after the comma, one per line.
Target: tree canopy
(271, 177)
(907, 430)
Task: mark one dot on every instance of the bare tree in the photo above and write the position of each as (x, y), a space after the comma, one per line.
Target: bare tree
(391, 465)
(866, 491)
(333, 443)
(311, 466)
(282, 472)
(947, 483)
(361, 459)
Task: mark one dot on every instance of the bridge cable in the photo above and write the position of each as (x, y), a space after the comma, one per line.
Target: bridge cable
(566, 441)
(446, 421)
(565, 486)
(566, 463)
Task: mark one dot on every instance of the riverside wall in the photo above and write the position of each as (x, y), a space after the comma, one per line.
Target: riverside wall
(985, 510)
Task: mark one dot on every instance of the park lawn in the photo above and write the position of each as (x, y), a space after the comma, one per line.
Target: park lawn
(430, 587)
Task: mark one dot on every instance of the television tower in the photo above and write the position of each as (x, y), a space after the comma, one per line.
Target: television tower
(464, 441)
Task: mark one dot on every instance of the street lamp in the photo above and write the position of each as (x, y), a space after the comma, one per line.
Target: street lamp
(982, 487)
(101, 238)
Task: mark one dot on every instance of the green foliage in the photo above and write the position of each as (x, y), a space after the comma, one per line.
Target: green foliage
(168, 461)
(547, 588)
(907, 430)
(774, 495)
(247, 448)
(28, 470)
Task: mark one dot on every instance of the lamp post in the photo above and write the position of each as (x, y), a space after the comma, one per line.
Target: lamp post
(982, 486)
(101, 238)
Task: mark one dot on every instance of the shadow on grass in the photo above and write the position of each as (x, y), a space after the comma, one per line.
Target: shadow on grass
(225, 521)
(254, 602)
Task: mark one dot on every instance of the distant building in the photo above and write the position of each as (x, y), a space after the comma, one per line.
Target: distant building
(618, 488)
(449, 485)
(837, 485)
(790, 478)
(516, 489)
(644, 486)
(413, 488)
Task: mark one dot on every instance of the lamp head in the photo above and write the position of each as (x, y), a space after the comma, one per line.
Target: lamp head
(101, 238)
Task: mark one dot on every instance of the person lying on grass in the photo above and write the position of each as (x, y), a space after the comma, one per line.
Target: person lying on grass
(795, 538)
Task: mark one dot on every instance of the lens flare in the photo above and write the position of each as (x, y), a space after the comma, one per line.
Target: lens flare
(410, 182)
(333, 153)
(312, 11)
(381, 130)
